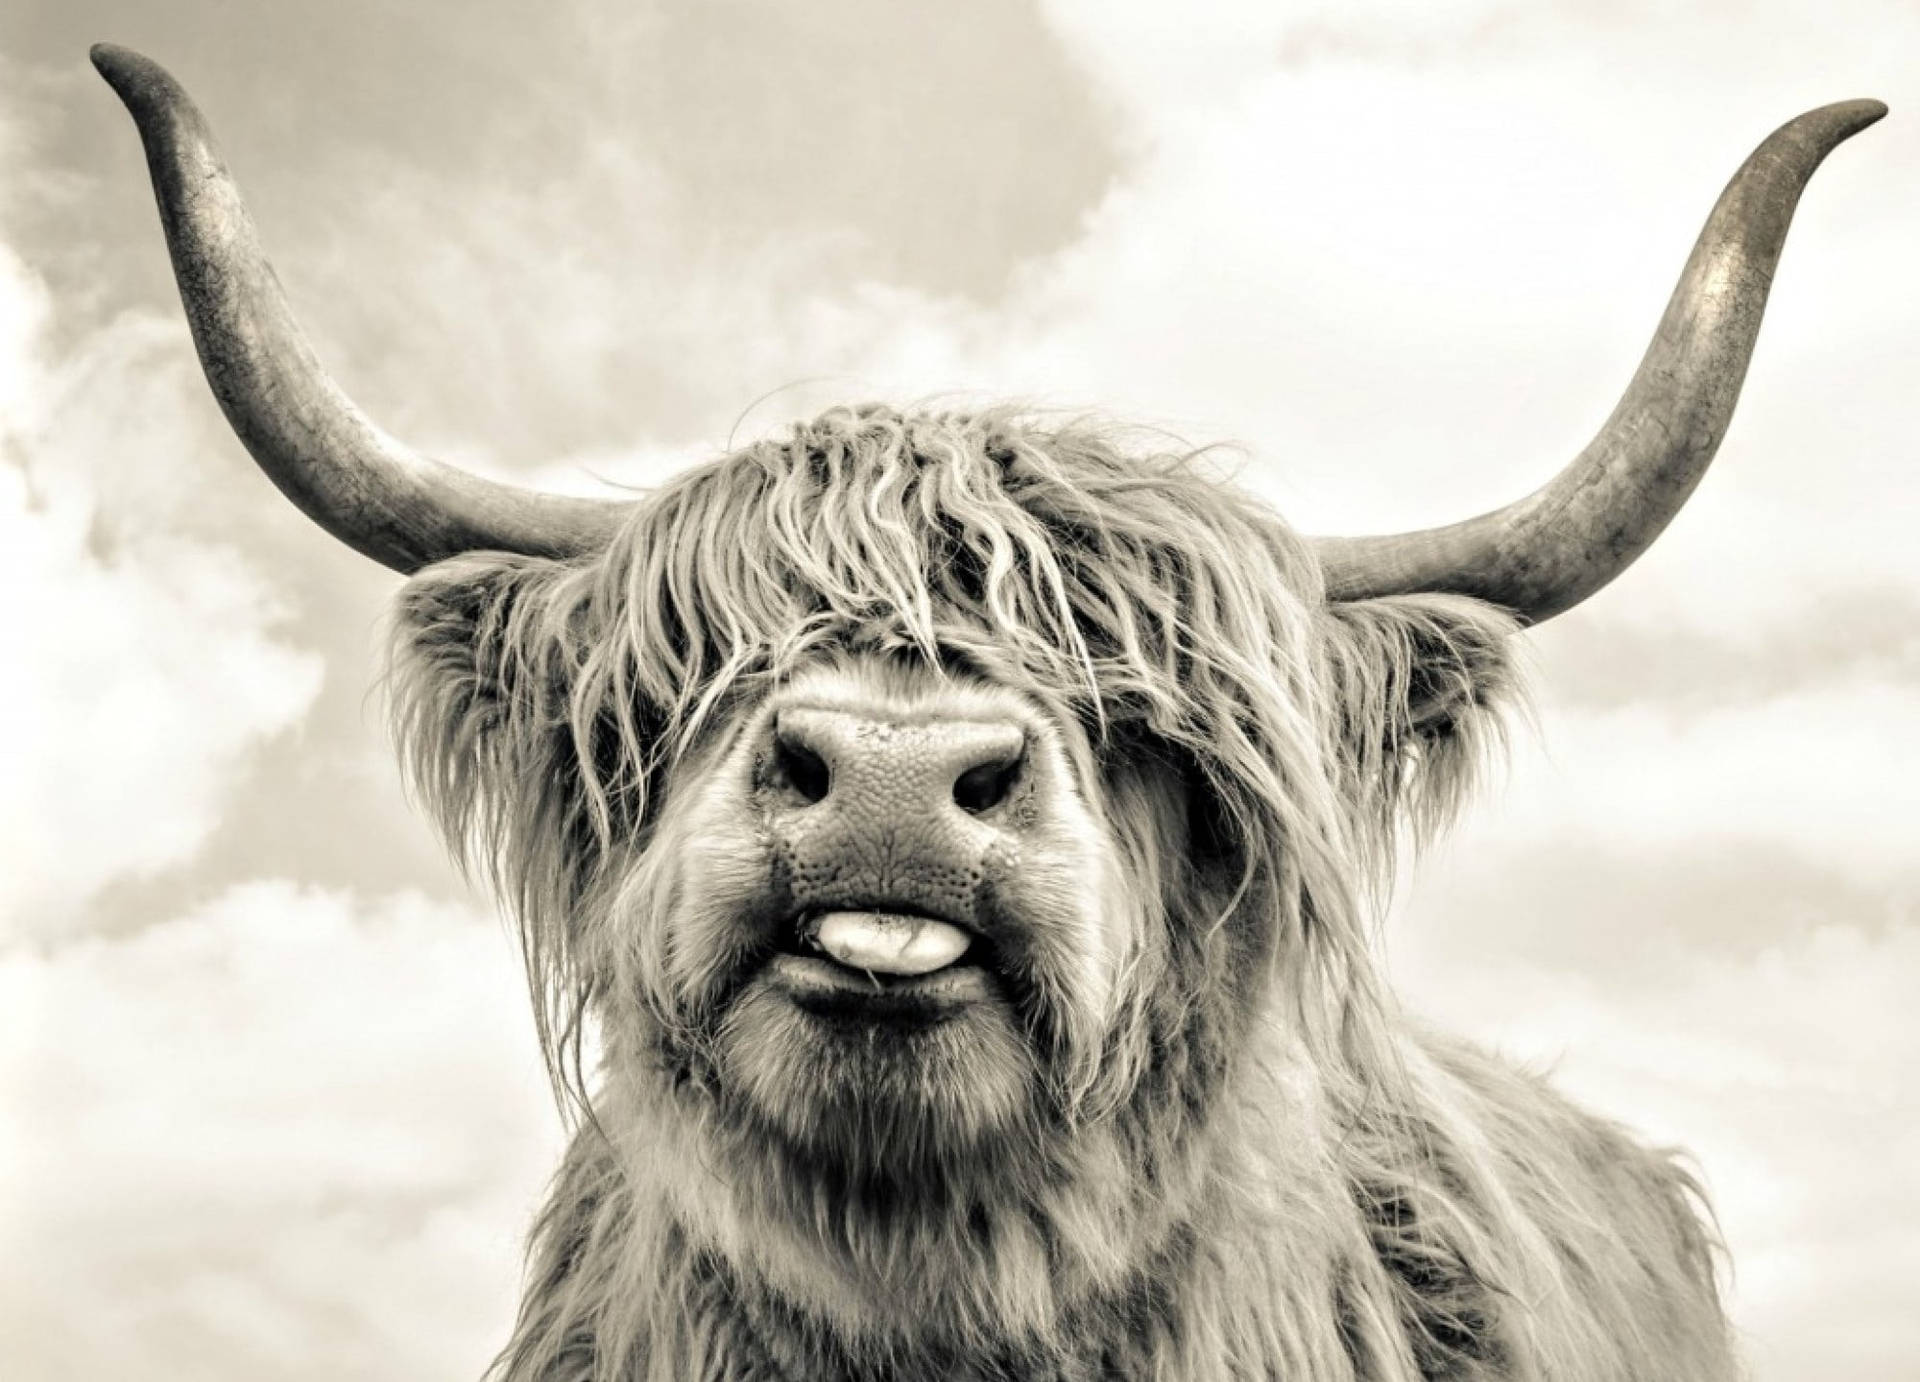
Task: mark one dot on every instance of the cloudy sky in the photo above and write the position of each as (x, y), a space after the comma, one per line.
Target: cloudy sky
(268, 1102)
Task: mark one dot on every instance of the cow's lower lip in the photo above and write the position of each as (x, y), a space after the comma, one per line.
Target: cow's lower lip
(822, 985)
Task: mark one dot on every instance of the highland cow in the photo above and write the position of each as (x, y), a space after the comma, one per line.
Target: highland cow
(959, 834)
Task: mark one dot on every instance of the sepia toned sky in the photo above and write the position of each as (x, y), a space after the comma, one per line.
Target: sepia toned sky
(269, 1105)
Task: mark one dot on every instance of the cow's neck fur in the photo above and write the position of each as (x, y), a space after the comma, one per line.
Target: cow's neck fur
(1284, 1237)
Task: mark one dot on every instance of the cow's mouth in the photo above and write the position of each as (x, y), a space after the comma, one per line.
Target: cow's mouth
(887, 961)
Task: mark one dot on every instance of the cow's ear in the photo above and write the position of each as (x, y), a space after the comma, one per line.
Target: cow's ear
(478, 675)
(1419, 688)
(464, 634)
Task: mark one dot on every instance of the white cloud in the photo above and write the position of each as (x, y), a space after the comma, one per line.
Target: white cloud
(1824, 772)
(293, 1134)
(1151, 59)
(142, 665)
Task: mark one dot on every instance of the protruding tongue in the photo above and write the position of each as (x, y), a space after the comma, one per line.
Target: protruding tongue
(882, 943)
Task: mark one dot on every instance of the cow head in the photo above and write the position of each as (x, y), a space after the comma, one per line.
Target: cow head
(1077, 728)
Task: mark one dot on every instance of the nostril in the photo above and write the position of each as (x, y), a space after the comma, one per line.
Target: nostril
(800, 768)
(986, 785)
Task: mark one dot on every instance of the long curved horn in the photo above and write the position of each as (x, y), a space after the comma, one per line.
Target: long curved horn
(1546, 553)
(351, 478)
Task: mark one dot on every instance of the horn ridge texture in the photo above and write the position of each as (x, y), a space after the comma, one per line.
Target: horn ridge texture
(376, 495)
(1549, 551)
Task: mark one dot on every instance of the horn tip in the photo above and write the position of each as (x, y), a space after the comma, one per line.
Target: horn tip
(1871, 110)
(115, 63)
(1844, 119)
(134, 77)
(1863, 112)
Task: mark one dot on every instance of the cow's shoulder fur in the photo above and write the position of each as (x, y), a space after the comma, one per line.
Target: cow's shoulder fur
(1527, 1237)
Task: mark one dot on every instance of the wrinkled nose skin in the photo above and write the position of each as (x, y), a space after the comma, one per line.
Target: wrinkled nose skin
(894, 814)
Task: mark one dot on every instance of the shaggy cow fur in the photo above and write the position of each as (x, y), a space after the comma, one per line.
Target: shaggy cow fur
(1206, 1146)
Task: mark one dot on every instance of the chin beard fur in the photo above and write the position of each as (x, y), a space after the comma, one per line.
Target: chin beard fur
(691, 1226)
